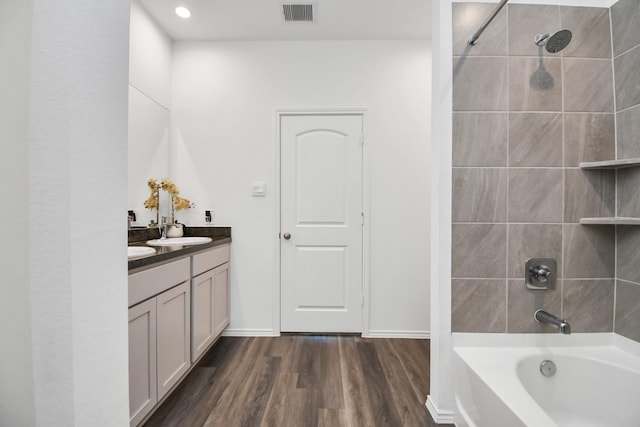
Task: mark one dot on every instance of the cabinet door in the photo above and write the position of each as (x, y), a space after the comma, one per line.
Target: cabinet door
(202, 333)
(220, 298)
(173, 336)
(143, 394)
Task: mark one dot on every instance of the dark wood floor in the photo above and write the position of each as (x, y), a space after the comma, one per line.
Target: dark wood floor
(304, 381)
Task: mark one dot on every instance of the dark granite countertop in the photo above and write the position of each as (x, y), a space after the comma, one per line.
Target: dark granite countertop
(165, 254)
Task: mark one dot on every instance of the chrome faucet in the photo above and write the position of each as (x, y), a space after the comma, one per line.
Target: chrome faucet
(167, 221)
(542, 316)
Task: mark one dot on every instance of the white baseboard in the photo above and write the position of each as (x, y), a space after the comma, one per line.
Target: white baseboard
(440, 417)
(250, 333)
(416, 335)
(372, 334)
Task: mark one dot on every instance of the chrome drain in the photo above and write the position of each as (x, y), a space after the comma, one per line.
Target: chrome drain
(548, 368)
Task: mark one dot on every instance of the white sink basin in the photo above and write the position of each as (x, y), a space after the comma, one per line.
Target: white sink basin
(139, 251)
(179, 241)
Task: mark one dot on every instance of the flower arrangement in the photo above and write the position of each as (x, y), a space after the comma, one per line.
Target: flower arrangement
(153, 202)
(177, 203)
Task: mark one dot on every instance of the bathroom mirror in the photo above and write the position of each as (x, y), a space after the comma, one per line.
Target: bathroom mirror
(148, 152)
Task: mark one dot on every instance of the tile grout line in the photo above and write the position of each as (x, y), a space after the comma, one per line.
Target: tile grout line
(510, 223)
(506, 284)
(538, 111)
(579, 58)
(613, 54)
(573, 279)
(615, 179)
(564, 173)
(625, 109)
(615, 99)
(517, 167)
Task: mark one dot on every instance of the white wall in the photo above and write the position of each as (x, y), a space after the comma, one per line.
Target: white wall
(64, 318)
(149, 56)
(17, 406)
(225, 96)
(149, 101)
(440, 400)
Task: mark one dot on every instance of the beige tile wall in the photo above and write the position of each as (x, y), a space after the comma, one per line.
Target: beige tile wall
(625, 18)
(523, 119)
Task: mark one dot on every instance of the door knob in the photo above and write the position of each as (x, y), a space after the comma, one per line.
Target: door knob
(286, 236)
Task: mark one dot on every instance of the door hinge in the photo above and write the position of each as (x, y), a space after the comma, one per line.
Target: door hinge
(362, 139)
(361, 218)
(362, 300)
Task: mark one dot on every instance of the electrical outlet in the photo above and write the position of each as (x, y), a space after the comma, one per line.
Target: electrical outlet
(209, 216)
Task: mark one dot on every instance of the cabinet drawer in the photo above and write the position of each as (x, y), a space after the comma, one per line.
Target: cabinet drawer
(148, 283)
(207, 260)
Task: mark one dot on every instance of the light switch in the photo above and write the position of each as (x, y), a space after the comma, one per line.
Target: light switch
(258, 189)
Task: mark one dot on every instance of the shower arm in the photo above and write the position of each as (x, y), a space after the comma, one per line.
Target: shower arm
(474, 38)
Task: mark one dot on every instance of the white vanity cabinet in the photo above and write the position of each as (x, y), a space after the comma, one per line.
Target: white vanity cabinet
(159, 334)
(176, 312)
(221, 312)
(173, 336)
(210, 298)
(143, 391)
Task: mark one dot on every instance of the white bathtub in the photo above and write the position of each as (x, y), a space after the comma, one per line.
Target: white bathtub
(498, 380)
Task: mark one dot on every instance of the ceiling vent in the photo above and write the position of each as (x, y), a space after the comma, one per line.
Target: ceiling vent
(298, 12)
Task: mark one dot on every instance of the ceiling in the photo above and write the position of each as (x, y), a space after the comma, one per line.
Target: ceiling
(264, 20)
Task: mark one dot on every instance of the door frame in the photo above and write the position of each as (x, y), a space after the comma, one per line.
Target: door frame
(366, 168)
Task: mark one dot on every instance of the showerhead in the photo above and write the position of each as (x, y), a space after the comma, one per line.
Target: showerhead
(554, 42)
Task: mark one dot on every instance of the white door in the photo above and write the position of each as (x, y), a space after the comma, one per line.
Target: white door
(321, 222)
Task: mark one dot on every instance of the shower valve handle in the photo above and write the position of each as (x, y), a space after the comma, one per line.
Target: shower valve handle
(541, 272)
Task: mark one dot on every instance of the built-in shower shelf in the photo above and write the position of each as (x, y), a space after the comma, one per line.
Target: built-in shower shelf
(611, 164)
(611, 220)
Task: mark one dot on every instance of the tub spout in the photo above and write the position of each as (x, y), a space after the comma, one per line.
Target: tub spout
(564, 328)
(548, 318)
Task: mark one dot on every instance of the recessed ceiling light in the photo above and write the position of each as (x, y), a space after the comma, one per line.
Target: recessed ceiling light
(183, 12)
